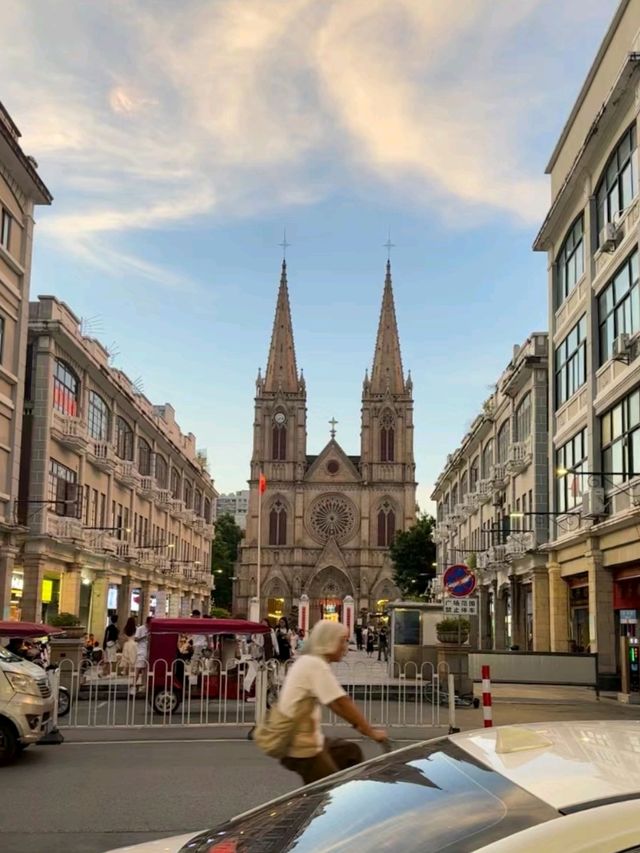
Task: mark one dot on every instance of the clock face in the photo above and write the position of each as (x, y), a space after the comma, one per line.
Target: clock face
(280, 417)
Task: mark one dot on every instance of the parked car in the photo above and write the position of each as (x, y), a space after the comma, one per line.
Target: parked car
(555, 787)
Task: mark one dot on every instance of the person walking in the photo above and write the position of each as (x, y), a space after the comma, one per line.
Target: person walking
(142, 651)
(110, 643)
(358, 633)
(129, 653)
(383, 643)
(370, 641)
(283, 636)
(310, 754)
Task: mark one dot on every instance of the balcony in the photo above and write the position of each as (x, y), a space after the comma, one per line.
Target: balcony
(176, 508)
(70, 431)
(519, 543)
(188, 516)
(66, 529)
(485, 491)
(100, 541)
(147, 558)
(498, 475)
(126, 473)
(497, 554)
(520, 456)
(470, 502)
(101, 455)
(163, 499)
(146, 487)
(125, 551)
(208, 531)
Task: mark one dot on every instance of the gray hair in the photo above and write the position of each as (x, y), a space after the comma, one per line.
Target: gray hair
(325, 638)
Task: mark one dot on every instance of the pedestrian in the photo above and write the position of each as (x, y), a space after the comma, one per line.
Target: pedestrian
(110, 643)
(129, 653)
(283, 636)
(142, 650)
(309, 684)
(358, 633)
(370, 641)
(383, 643)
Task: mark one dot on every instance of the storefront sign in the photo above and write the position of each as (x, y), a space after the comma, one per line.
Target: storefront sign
(628, 617)
(461, 606)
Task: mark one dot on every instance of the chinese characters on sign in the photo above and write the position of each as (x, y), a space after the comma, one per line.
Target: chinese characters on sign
(461, 606)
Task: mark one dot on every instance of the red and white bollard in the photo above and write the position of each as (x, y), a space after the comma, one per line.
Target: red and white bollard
(487, 710)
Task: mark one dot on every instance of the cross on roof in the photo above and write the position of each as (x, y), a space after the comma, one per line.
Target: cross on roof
(284, 245)
(333, 423)
(389, 246)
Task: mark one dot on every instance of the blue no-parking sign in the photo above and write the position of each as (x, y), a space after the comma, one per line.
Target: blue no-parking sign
(459, 580)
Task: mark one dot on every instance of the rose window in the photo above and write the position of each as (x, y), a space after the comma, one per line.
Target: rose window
(334, 517)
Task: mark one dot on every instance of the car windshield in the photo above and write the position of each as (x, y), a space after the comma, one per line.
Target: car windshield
(8, 656)
(432, 797)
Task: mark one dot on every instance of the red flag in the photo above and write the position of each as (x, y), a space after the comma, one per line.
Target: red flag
(574, 487)
(262, 484)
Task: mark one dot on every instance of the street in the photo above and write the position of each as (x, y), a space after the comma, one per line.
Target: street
(107, 787)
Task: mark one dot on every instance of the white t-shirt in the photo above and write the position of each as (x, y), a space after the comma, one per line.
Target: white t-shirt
(309, 676)
(142, 644)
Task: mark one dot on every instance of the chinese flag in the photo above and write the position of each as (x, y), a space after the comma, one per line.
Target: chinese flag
(574, 487)
(262, 484)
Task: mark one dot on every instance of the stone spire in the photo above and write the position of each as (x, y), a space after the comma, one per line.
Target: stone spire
(387, 361)
(281, 372)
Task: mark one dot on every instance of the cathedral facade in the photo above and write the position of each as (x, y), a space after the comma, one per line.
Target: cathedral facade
(327, 519)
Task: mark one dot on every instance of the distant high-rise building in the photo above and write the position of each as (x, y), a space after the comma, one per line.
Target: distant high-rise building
(235, 504)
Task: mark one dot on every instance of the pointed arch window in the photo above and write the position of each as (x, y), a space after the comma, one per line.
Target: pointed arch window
(278, 524)
(386, 525)
(387, 438)
(279, 437)
(144, 457)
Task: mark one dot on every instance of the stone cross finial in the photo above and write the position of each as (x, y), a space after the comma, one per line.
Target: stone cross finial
(333, 423)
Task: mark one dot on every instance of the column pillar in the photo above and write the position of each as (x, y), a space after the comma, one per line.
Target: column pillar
(601, 618)
(499, 613)
(161, 603)
(348, 614)
(124, 602)
(70, 584)
(174, 602)
(303, 613)
(34, 567)
(7, 560)
(99, 600)
(517, 627)
(484, 630)
(541, 610)
(558, 609)
(145, 601)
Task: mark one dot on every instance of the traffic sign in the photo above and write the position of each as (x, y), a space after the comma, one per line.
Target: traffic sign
(459, 580)
(461, 606)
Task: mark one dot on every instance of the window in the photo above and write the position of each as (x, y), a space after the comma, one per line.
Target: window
(570, 262)
(65, 389)
(279, 437)
(619, 306)
(619, 183)
(5, 229)
(144, 458)
(522, 420)
(2, 323)
(463, 486)
(386, 525)
(454, 497)
(197, 502)
(188, 495)
(573, 457)
(98, 417)
(387, 438)
(620, 428)
(473, 475)
(278, 524)
(571, 362)
(162, 472)
(124, 440)
(175, 484)
(207, 510)
(64, 493)
(503, 443)
(487, 459)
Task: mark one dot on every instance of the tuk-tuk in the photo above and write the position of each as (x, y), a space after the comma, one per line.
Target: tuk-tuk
(198, 657)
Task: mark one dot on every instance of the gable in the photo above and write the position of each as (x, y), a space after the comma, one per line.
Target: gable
(332, 466)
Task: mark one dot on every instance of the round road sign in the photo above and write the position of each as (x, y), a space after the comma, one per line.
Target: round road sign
(459, 581)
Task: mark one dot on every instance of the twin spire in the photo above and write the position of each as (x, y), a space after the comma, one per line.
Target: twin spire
(386, 375)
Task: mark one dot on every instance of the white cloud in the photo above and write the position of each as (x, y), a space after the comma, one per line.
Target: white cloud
(145, 114)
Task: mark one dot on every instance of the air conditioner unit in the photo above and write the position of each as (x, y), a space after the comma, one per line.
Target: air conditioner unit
(621, 347)
(610, 236)
(593, 503)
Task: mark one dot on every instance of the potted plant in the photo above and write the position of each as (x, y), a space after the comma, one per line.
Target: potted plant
(73, 628)
(453, 629)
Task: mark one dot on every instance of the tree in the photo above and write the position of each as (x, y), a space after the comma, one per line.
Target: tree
(224, 555)
(413, 553)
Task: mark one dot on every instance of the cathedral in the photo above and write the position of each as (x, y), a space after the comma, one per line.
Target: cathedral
(327, 519)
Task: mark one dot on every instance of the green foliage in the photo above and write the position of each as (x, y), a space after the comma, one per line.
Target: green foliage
(451, 624)
(65, 620)
(224, 556)
(413, 554)
(220, 612)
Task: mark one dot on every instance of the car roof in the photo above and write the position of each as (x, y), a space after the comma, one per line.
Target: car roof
(579, 762)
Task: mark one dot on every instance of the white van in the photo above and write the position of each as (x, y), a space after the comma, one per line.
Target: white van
(26, 705)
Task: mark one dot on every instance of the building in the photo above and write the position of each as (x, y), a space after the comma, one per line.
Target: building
(235, 504)
(328, 518)
(590, 235)
(492, 503)
(21, 189)
(117, 503)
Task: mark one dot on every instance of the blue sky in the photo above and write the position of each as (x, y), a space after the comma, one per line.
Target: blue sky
(179, 139)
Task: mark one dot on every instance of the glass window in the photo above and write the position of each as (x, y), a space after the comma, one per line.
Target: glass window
(162, 472)
(503, 443)
(197, 502)
(176, 484)
(386, 525)
(487, 459)
(620, 432)
(387, 438)
(98, 417)
(523, 419)
(124, 440)
(619, 183)
(619, 306)
(65, 389)
(279, 442)
(144, 457)
(188, 495)
(5, 229)
(278, 524)
(64, 494)
(570, 262)
(571, 362)
(207, 510)
(463, 486)
(572, 456)
(473, 475)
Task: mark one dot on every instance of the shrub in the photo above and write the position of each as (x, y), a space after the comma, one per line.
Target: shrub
(450, 624)
(220, 613)
(65, 620)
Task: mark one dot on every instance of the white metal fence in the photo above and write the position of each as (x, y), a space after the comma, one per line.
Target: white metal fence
(203, 693)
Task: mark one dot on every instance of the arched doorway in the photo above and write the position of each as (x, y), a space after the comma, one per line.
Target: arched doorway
(327, 592)
(275, 600)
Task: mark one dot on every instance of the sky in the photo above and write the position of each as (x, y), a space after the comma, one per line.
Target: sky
(179, 140)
